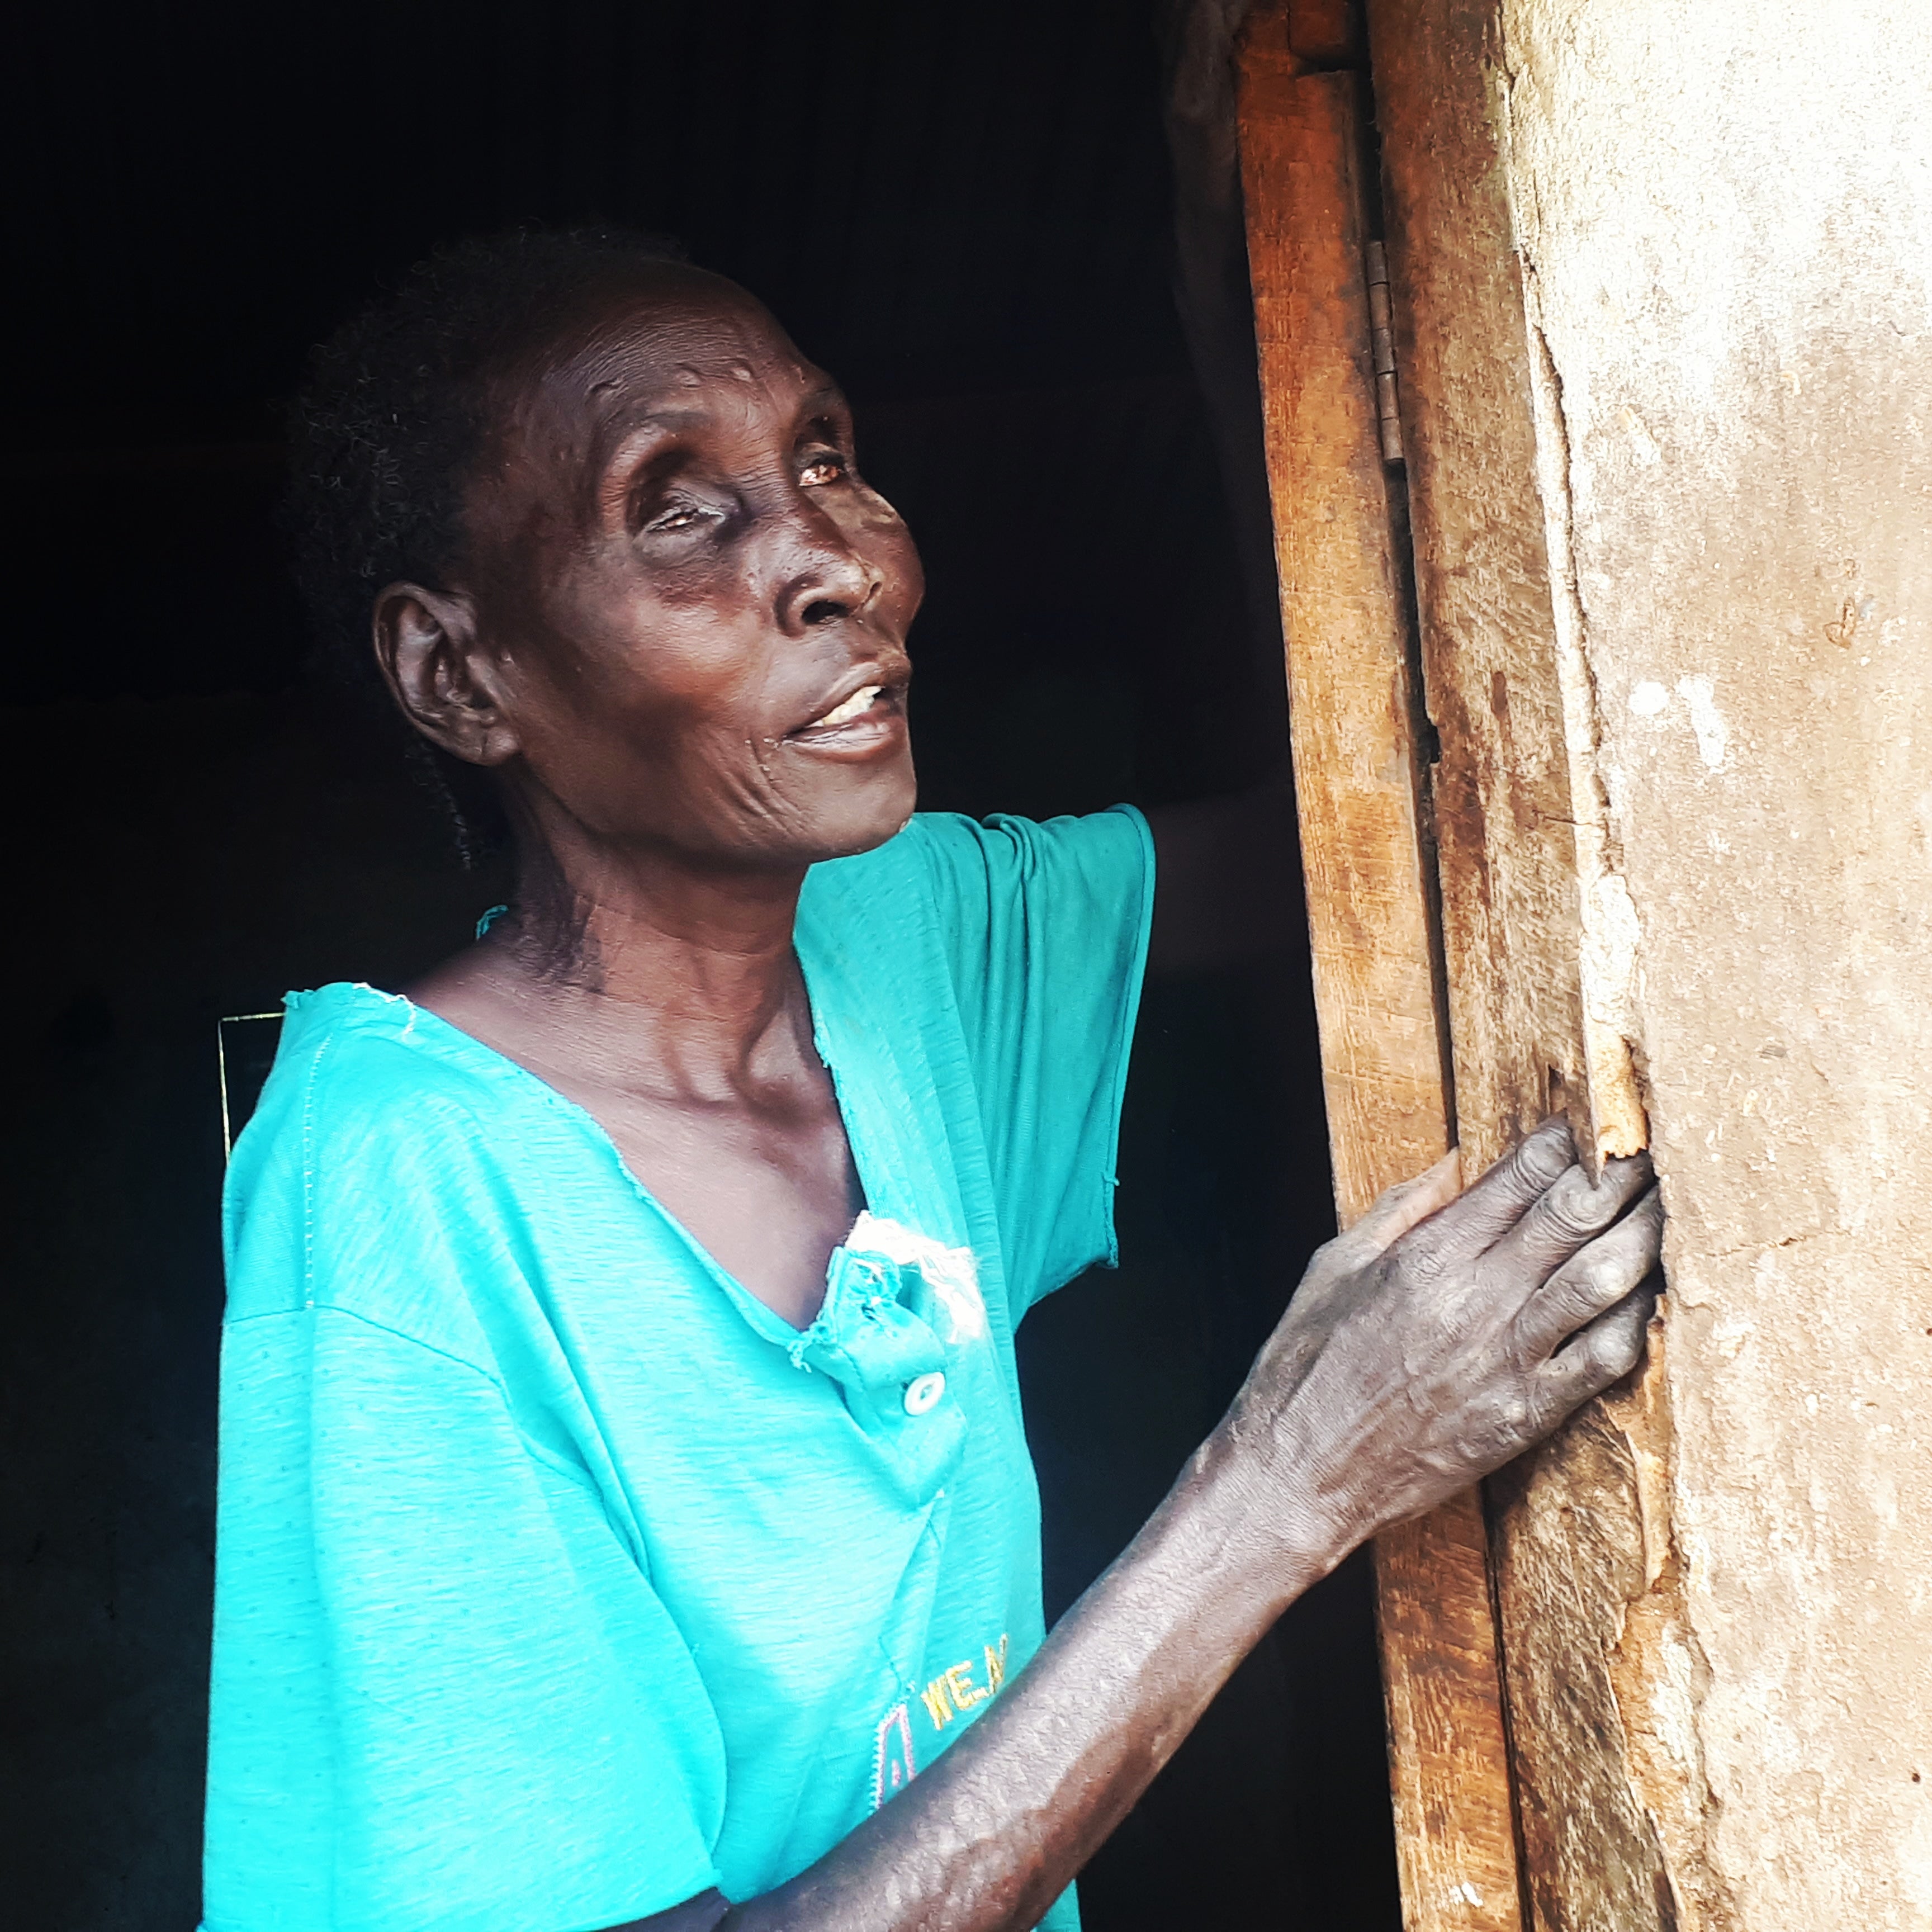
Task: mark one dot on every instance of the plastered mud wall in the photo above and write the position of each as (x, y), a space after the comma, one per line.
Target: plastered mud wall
(1723, 215)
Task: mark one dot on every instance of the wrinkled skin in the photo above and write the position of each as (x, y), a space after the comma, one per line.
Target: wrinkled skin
(673, 569)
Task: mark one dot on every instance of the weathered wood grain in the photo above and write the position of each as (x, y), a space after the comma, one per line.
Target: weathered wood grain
(1353, 709)
(1517, 801)
(1329, 33)
(1585, 1566)
(1349, 701)
(1448, 1751)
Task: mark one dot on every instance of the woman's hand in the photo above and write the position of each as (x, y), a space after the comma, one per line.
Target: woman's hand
(1441, 1336)
(1436, 1339)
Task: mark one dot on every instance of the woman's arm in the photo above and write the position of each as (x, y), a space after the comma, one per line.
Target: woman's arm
(1432, 1342)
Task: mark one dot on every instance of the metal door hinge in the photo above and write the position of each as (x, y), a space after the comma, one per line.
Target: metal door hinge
(1382, 345)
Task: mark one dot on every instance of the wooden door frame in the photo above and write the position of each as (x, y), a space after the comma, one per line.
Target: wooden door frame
(1453, 836)
(1361, 779)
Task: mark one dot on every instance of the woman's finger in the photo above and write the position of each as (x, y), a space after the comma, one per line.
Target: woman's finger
(1399, 1208)
(1604, 1352)
(1599, 1277)
(1475, 1221)
(1572, 1213)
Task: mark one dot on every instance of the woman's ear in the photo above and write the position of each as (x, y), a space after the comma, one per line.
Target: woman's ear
(438, 671)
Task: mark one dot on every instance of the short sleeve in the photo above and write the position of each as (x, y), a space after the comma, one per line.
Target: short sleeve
(1044, 928)
(445, 1694)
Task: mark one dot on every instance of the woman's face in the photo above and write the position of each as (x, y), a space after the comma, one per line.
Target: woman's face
(692, 611)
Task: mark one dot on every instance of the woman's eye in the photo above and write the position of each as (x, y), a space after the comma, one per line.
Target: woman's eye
(828, 466)
(683, 517)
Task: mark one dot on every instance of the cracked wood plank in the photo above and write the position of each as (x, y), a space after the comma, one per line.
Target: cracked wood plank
(1353, 710)
(1538, 955)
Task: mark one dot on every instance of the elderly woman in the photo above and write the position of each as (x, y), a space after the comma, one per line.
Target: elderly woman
(623, 1490)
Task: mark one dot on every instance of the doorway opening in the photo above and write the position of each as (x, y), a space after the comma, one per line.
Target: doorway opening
(967, 215)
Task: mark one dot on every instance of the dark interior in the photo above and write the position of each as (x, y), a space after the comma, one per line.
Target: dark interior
(965, 213)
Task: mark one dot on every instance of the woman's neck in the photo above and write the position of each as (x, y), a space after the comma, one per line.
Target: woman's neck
(674, 976)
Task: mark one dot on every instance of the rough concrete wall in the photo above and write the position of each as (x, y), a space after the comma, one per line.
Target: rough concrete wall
(1725, 214)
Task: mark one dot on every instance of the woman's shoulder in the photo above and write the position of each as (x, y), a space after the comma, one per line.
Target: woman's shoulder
(378, 1122)
(958, 880)
(352, 1056)
(367, 1087)
(931, 844)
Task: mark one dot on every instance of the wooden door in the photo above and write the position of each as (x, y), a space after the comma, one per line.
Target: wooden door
(1462, 906)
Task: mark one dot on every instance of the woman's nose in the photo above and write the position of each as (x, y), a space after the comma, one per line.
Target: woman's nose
(833, 580)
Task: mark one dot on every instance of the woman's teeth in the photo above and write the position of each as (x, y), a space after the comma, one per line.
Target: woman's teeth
(860, 702)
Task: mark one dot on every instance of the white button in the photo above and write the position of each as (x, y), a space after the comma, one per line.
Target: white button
(923, 1392)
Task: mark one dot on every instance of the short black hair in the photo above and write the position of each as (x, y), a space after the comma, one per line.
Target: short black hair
(386, 427)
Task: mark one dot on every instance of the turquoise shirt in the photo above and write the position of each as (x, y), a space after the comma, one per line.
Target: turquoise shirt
(558, 1580)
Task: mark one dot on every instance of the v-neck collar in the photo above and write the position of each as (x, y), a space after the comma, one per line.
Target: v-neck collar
(897, 1175)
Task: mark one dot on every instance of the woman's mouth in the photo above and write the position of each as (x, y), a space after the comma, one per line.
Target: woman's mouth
(856, 706)
(872, 720)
